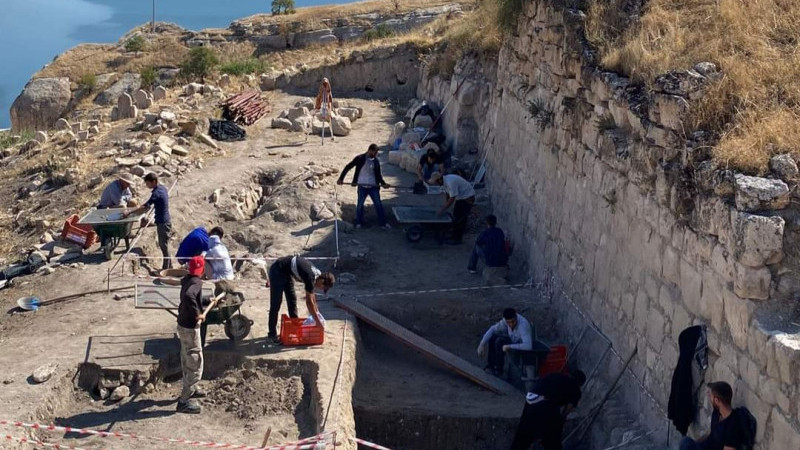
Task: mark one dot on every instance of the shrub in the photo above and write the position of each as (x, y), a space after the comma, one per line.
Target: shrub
(149, 76)
(282, 7)
(135, 44)
(380, 32)
(508, 12)
(199, 63)
(7, 138)
(245, 66)
(87, 82)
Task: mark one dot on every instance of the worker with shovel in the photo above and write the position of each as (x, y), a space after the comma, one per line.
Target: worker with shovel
(190, 316)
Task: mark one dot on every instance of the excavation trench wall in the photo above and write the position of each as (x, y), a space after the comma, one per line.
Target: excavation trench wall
(610, 208)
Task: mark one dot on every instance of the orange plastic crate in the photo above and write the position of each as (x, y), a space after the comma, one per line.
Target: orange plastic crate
(80, 234)
(293, 332)
(555, 362)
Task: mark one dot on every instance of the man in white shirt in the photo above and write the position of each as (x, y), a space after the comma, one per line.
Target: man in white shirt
(513, 332)
(369, 180)
(459, 191)
(217, 256)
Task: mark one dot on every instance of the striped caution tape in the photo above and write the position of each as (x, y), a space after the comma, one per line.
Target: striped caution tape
(38, 443)
(313, 442)
(369, 444)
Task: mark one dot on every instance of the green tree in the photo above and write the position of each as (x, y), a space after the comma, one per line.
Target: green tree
(199, 63)
(282, 7)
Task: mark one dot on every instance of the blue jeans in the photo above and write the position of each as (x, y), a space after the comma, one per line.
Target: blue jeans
(374, 193)
(688, 443)
(477, 253)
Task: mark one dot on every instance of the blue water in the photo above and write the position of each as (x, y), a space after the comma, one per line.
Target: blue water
(33, 32)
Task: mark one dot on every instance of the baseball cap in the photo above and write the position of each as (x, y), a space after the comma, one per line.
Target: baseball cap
(197, 265)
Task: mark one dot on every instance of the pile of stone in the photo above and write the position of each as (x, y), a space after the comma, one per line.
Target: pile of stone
(303, 118)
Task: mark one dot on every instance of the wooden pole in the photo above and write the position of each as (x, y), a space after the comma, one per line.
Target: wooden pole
(266, 437)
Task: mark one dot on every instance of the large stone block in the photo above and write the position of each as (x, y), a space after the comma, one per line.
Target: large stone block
(712, 216)
(784, 435)
(738, 313)
(757, 240)
(655, 328)
(751, 283)
(783, 357)
(691, 284)
(760, 194)
(670, 265)
(711, 301)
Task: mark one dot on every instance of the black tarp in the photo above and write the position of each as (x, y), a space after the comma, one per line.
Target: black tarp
(226, 130)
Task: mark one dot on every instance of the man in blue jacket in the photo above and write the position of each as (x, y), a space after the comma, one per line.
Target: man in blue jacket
(489, 247)
(369, 182)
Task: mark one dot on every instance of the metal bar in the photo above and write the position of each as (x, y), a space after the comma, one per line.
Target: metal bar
(597, 364)
(578, 345)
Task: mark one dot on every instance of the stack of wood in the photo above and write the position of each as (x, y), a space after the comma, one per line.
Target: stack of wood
(245, 108)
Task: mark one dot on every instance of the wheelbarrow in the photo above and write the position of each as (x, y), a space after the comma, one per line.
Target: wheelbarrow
(111, 227)
(419, 219)
(237, 325)
(227, 312)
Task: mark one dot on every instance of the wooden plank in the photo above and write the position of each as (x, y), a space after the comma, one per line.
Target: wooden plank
(442, 356)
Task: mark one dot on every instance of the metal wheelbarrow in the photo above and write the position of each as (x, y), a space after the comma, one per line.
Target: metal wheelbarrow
(419, 219)
(110, 227)
(237, 325)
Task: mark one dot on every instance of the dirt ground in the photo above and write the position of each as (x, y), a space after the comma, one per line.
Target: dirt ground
(94, 328)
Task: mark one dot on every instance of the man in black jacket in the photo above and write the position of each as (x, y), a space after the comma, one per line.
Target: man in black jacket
(546, 409)
(190, 316)
(369, 182)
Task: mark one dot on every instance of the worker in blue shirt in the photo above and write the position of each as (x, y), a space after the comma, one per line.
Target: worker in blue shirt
(195, 243)
(489, 247)
(159, 199)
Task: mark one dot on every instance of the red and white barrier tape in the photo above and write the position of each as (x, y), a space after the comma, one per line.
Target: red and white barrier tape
(305, 444)
(369, 444)
(39, 443)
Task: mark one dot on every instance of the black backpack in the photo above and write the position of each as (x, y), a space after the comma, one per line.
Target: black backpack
(748, 424)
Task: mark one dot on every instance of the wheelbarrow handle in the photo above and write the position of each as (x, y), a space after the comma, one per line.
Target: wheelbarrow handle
(213, 303)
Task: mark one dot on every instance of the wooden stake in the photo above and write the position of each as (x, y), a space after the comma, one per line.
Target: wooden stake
(266, 437)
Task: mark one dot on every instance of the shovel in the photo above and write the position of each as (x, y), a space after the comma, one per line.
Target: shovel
(32, 303)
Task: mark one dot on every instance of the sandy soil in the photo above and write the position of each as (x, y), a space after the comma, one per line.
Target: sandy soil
(382, 261)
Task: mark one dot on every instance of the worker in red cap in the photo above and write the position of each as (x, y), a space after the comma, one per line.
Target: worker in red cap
(190, 316)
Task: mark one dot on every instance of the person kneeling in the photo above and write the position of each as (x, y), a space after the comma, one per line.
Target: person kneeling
(513, 332)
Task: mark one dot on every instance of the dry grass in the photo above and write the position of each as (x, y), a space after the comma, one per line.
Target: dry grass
(479, 31)
(164, 51)
(310, 17)
(755, 108)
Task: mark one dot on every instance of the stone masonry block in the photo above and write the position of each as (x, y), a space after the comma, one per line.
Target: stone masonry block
(721, 262)
(760, 194)
(757, 339)
(751, 283)
(680, 321)
(711, 301)
(670, 265)
(712, 216)
(640, 313)
(691, 284)
(783, 353)
(757, 240)
(784, 434)
(655, 328)
(738, 313)
(746, 396)
(668, 297)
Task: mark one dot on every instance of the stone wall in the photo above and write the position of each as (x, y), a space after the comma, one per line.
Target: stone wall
(613, 207)
(392, 71)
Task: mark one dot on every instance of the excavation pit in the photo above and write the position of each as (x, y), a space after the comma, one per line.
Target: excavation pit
(404, 400)
(245, 398)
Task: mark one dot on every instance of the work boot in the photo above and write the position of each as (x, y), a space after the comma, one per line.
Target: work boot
(188, 407)
(273, 339)
(199, 393)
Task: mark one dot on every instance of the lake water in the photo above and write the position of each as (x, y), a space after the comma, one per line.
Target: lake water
(33, 32)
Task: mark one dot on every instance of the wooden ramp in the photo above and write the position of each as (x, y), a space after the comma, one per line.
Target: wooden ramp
(429, 349)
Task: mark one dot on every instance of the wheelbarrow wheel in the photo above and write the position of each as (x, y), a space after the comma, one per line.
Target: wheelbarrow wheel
(414, 233)
(238, 327)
